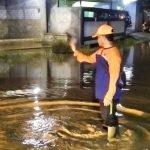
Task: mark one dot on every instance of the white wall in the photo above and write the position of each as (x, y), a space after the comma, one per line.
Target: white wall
(65, 20)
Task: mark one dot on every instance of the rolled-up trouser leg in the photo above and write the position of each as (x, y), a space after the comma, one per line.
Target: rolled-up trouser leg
(109, 119)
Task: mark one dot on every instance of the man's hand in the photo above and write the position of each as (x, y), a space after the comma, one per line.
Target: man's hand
(72, 44)
(107, 102)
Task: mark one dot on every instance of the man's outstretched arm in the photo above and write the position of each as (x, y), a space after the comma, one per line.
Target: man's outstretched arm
(82, 57)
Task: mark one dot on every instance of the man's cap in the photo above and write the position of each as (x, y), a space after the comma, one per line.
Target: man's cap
(103, 30)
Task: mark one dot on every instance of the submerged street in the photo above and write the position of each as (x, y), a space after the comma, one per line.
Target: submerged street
(30, 119)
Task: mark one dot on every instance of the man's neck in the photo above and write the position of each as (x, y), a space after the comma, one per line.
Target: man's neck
(107, 45)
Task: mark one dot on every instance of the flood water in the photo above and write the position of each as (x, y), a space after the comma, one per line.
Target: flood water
(41, 109)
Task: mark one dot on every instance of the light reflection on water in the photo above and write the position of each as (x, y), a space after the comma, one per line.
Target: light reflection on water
(26, 124)
(129, 74)
(41, 125)
(128, 68)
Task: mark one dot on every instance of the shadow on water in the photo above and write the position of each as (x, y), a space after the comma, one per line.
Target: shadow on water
(33, 117)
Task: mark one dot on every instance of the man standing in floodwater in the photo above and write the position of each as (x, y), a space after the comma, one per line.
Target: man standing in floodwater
(107, 60)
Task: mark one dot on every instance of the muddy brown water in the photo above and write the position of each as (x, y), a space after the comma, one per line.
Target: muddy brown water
(30, 82)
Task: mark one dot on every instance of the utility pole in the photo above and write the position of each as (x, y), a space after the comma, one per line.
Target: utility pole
(58, 3)
(6, 4)
(111, 4)
(80, 3)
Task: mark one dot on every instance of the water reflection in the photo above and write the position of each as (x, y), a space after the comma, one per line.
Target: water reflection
(128, 66)
(138, 71)
(37, 129)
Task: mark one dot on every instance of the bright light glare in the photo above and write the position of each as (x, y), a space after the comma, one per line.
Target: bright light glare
(129, 74)
(36, 90)
(36, 102)
(119, 8)
(126, 2)
(37, 108)
(36, 129)
(86, 4)
(118, 114)
(91, 4)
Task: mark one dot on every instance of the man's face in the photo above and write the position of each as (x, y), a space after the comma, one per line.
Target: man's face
(100, 40)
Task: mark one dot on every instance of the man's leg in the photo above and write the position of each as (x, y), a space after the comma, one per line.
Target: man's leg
(104, 113)
(110, 119)
(112, 122)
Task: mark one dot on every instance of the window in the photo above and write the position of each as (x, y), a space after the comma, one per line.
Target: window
(88, 14)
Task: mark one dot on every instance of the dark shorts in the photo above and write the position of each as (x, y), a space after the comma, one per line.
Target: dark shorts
(109, 119)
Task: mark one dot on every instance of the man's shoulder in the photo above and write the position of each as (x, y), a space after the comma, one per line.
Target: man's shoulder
(113, 54)
(115, 51)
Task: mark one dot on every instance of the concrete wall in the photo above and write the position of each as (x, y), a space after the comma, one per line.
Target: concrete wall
(22, 18)
(65, 20)
(3, 19)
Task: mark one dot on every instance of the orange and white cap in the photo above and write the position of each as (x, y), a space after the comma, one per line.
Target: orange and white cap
(103, 30)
